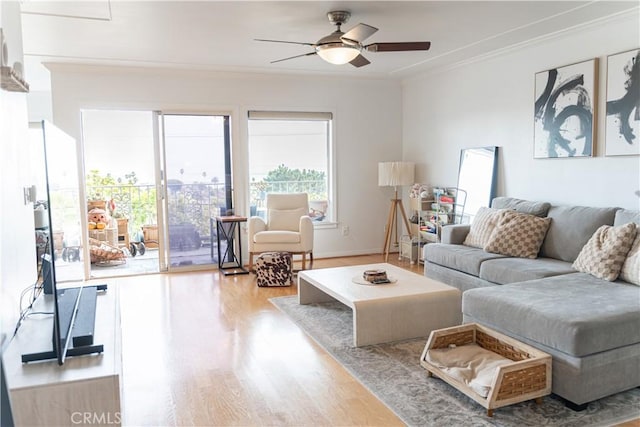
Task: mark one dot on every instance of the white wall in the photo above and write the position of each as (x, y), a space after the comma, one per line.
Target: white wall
(17, 238)
(367, 119)
(490, 102)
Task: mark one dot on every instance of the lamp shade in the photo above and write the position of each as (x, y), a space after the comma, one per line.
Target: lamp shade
(393, 174)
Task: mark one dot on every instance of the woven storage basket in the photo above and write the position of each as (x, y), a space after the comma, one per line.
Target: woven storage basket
(104, 253)
(528, 377)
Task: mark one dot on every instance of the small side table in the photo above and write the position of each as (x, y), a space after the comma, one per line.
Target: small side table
(233, 265)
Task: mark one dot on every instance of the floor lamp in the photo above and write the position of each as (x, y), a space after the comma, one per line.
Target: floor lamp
(394, 174)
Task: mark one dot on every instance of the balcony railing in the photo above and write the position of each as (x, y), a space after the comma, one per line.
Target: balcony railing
(187, 203)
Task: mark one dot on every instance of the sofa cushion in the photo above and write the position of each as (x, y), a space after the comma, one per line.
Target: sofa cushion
(570, 229)
(458, 257)
(510, 270)
(483, 225)
(276, 237)
(606, 250)
(533, 208)
(518, 235)
(577, 313)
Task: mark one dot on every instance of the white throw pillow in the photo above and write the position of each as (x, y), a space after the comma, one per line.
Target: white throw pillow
(285, 219)
(631, 268)
(606, 251)
(482, 226)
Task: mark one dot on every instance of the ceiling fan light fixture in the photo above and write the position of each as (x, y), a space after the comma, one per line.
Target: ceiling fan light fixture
(337, 53)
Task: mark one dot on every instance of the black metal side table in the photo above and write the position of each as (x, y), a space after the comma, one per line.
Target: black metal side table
(227, 229)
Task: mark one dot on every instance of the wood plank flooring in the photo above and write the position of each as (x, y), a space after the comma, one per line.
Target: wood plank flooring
(208, 350)
(204, 349)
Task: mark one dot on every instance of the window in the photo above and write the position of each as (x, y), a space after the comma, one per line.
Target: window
(290, 152)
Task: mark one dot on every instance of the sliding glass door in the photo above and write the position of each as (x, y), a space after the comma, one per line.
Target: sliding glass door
(120, 174)
(159, 179)
(198, 185)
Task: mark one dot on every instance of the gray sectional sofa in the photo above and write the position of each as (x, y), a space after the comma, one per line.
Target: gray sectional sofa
(591, 327)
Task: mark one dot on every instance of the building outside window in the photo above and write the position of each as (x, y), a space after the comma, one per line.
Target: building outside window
(290, 152)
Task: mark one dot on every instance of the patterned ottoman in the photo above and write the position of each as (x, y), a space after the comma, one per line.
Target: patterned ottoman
(274, 269)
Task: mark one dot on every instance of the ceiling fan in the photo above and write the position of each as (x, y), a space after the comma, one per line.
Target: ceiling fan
(339, 48)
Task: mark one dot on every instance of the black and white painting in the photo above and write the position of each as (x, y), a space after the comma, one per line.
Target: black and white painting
(622, 134)
(563, 112)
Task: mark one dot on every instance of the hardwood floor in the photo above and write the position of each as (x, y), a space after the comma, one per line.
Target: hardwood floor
(208, 350)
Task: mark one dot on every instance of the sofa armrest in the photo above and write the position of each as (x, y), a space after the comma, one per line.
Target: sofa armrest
(455, 234)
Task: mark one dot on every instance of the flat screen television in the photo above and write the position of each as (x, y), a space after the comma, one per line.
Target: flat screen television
(73, 307)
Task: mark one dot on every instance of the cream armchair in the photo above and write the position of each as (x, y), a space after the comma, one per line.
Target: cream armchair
(288, 228)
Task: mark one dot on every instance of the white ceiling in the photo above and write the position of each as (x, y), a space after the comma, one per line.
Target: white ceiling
(219, 35)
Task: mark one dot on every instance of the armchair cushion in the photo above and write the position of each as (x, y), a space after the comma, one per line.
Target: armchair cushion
(285, 219)
(277, 237)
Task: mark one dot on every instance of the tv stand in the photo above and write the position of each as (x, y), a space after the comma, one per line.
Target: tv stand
(44, 393)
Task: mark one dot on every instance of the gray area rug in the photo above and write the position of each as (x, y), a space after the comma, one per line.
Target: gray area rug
(393, 373)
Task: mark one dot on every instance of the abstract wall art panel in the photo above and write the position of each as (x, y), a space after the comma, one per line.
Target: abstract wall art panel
(622, 132)
(564, 111)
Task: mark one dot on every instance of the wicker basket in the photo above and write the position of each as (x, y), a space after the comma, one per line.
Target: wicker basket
(103, 253)
(528, 377)
(96, 204)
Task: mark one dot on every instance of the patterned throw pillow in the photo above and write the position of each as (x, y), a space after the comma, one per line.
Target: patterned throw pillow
(518, 234)
(482, 227)
(606, 250)
(631, 268)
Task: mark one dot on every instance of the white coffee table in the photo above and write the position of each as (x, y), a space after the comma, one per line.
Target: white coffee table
(411, 307)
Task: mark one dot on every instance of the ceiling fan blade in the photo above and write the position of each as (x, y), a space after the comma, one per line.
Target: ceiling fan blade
(292, 57)
(397, 46)
(359, 61)
(283, 41)
(359, 33)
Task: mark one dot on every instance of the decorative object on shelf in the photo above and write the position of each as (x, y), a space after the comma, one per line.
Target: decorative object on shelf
(563, 112)
(622, 133)
(394, 174)
(11, 78)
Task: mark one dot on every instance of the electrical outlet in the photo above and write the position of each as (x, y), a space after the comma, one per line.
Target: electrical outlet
(345, 230)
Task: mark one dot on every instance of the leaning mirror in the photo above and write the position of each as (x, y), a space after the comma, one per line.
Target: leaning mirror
(477, 176)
